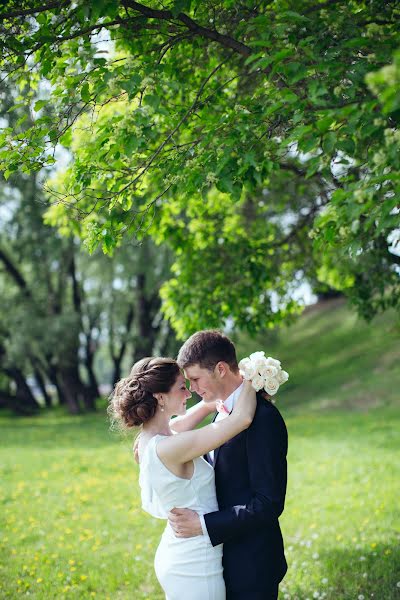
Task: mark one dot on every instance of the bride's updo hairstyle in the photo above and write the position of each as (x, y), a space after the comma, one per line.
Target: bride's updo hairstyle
(133, 402)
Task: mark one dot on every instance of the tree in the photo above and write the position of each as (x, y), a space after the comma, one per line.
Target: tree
(59, 305)
(196, 98)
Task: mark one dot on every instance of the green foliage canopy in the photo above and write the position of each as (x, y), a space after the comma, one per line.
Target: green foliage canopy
(189, 111)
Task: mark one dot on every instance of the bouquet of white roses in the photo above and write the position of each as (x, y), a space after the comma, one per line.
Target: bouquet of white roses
(264, 372)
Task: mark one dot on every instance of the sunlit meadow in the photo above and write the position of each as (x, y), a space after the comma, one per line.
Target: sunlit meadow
(72, 526)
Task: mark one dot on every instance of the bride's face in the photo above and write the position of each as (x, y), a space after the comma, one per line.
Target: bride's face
(175, 400)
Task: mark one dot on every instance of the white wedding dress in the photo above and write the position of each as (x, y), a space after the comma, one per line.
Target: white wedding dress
(187, 568)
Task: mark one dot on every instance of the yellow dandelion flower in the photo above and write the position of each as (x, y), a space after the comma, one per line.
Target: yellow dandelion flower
(39, 580)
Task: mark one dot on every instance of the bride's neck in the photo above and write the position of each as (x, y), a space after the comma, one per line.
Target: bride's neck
(159, 424)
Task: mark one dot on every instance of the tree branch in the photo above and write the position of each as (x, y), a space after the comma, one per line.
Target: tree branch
(32, 11)
(149, 162)
(320, 6)
(195, 28)
(15, 274)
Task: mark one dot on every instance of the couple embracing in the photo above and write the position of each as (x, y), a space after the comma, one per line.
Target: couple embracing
(221, 487)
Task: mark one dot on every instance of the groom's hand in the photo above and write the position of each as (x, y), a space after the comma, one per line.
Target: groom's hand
(185, 522)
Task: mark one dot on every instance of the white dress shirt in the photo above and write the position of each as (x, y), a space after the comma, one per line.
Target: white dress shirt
(229, 403)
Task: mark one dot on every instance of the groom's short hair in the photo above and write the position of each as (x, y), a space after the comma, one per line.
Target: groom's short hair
(207, 348)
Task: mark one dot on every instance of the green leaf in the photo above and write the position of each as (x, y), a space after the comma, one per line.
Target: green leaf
(108, 243)
(324, 124)
(85, 94)
(16, 106)
(180, 6)
(329, 142)
(152, 100)
(39, 104)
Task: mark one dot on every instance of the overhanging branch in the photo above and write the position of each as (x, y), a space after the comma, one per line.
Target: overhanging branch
(193, 26)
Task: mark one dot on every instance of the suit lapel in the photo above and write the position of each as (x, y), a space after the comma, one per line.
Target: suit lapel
(216, 451)
(207, 456)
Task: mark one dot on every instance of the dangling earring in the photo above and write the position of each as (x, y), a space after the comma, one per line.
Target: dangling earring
(162, 408)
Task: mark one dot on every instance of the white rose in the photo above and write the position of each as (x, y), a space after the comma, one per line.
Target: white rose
(257, 382)
(257, 355)
(258, 359)
(283, 376)
(268, 371)
(247, 369)
(273, 362)
(271, 385)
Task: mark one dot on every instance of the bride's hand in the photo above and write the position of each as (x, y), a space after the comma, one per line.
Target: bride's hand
(211, 406)
(245, 406)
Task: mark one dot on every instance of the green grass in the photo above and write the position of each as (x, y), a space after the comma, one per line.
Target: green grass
(71, 523)
(335, 360)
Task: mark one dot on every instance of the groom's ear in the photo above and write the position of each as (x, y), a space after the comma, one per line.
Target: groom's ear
(221, 369)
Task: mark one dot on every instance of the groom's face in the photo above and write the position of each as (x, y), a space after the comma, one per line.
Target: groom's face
(204, 382)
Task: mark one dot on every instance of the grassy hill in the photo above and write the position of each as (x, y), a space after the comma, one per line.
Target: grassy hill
(336, 360)
(71, 519)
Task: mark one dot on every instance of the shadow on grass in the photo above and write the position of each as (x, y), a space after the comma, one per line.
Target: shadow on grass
(348, 574)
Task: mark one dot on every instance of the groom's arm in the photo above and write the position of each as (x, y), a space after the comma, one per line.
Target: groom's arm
(266, 455)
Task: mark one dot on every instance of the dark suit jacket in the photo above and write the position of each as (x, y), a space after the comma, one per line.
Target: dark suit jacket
(251, 476)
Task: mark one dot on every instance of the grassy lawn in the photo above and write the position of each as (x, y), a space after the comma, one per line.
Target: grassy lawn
(71, 523)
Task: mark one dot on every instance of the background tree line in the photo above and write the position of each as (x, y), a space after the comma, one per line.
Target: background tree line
(256, 145)
(61, 308)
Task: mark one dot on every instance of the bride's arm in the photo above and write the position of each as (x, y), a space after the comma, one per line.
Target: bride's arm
(187, 422)
(193, 417)
(183, 447)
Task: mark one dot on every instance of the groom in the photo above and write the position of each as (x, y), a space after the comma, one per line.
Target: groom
(250, 476)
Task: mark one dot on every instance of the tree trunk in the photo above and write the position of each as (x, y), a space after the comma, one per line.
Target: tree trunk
(145, 316)
(42, 385)
(117, 357)
(89, 399)
(52, 374)
(25, 402)
(169, 346)
(7, 400)
(93, 385)
(117, 360)
(71, 389)
(76, 393)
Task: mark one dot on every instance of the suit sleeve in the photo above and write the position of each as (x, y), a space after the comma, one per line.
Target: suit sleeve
(266, 455)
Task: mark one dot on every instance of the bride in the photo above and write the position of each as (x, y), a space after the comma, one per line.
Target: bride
(173, 472)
